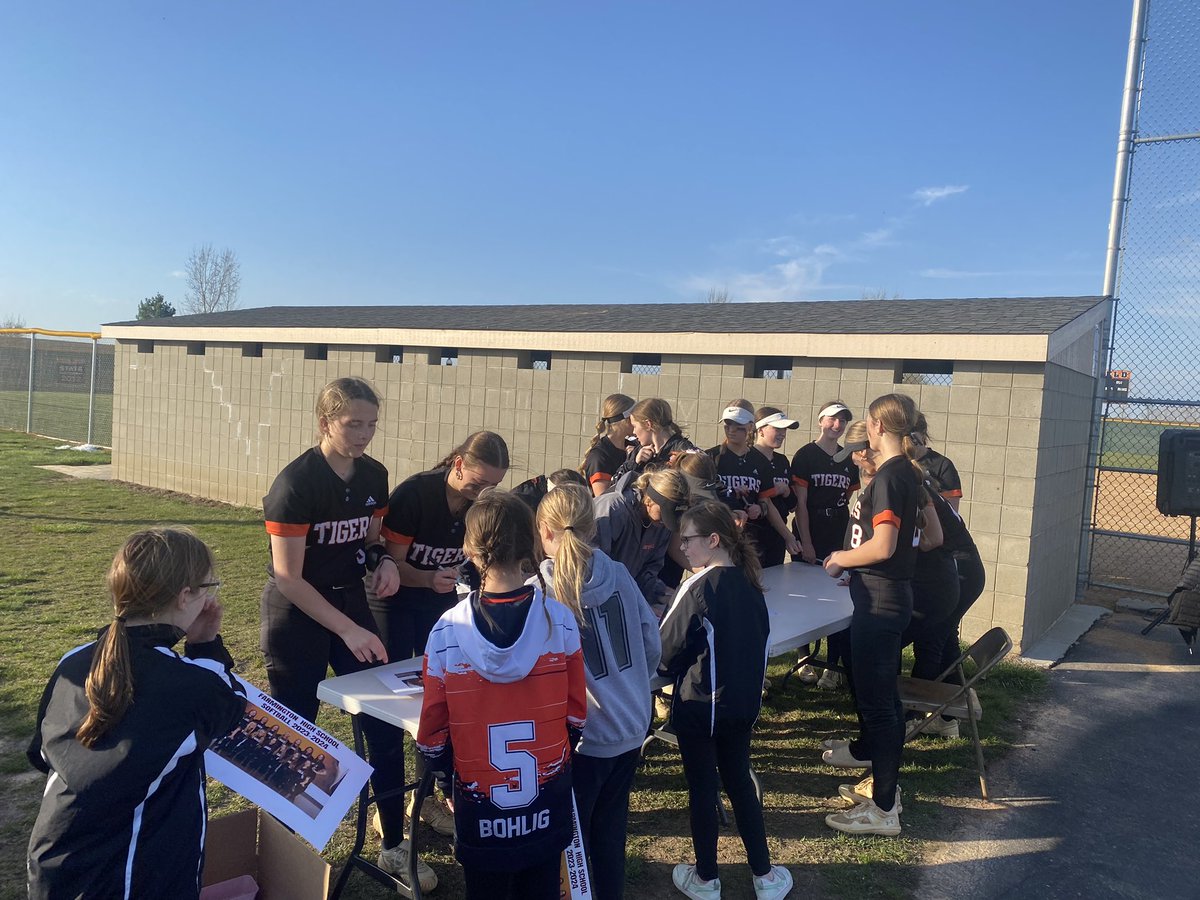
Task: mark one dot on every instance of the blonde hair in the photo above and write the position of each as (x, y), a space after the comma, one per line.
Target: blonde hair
(713, 517)
(567, 511)
(669, 484)
(657, 412)
(146, 576)
(898, 415)
(614, 405)
(335, 398)
(696, 463)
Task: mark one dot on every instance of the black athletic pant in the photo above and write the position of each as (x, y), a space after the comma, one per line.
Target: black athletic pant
(539, 882)
(970, 585)
(935, 597)
(882, 610)
(299, 652)
(602, 786)
(727, 752)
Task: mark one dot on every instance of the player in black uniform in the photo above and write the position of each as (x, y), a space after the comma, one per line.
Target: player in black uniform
(658, 436)
(323, 515)
(939, 469)
(748, 474)
(770, 431)
(609, 447)
(424, 533)
(823, 485)
(881, 554)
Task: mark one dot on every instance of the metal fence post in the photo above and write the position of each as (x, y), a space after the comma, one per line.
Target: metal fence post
(29, 388)
(92, 394)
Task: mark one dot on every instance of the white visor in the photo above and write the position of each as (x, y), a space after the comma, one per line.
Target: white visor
(777, 420)
(835, 409)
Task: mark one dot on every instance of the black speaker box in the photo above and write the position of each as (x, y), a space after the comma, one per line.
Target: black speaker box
(1179, 472)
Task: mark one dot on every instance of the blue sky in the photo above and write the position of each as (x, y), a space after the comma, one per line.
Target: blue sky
(405, 153)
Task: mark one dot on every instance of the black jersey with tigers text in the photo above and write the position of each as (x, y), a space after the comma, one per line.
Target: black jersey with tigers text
(828, 484)
(310, 500)
(748, 476)
(890, 499)
(419, 516)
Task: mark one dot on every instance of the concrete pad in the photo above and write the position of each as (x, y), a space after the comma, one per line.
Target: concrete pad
(1063, 635)
(96, 473)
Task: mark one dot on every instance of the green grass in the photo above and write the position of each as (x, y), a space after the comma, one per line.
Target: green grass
(59, 414)
(1133, 445)
(59, 535)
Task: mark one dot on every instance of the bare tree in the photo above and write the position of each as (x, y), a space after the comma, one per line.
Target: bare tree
(12, 322)
(880, 294)
(717, 296)
(213, 280)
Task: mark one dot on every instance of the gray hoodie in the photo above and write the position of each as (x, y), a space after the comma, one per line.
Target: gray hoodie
(621, 650)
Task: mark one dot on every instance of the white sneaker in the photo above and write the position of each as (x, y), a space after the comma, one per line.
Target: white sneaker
(775, 885)
(394, 861)
(808, 675)
(434, 814)
(867, 818)
(855, 794)
(829, 680)
(842, 758)
(692, 885)
(947, 728)
(834, 743)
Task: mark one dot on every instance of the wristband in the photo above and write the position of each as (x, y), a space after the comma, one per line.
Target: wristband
(376, 554)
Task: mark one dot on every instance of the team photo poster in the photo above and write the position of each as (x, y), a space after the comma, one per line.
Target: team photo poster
(289, 767)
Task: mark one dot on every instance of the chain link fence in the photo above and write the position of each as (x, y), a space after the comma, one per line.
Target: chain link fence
(1156, 327)
(61, 387)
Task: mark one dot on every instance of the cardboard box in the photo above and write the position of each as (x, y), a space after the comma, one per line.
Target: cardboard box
(253, 843)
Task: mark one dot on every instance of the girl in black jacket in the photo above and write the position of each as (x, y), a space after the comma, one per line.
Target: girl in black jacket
(714, 644)
(122, 729)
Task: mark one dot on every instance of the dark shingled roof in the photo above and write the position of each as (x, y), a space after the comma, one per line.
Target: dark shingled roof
(1010, 315)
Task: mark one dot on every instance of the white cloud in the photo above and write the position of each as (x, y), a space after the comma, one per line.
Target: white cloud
(793, 278)
(930, 195)
(177, 273)
(957, 273)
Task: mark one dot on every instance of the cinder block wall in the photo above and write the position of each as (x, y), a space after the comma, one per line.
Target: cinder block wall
(220, 424)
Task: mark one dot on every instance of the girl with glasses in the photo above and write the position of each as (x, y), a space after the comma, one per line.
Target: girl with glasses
(122, 729)
(714, 646)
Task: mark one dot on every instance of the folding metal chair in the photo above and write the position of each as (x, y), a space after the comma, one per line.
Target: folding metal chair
(938, 697)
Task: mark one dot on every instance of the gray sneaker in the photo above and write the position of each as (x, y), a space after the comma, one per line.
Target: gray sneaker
(692, 885)
(775, 885)
(394, 861)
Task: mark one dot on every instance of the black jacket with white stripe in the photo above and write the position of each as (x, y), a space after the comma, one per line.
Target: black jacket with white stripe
(126, 818)
(714, 644)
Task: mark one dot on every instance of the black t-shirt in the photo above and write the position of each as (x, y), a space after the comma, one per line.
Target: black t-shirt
(828, 484)
(748, 476)
(942, 473)
(602, 461)
(890, 498)
(419, 516)
(308, 499)
(781, 477)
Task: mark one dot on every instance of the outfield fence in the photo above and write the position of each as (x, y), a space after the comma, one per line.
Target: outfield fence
(1154, 273)
(57, 383)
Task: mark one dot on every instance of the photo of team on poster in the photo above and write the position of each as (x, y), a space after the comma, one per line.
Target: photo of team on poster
(300, 774)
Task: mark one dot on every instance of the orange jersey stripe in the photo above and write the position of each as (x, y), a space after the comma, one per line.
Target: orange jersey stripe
(887, 517)
(285, 529)
(379, 513)
(949, 494)
(599, 476)
(395, 537)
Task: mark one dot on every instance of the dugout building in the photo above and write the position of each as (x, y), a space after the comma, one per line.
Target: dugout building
(215, 405)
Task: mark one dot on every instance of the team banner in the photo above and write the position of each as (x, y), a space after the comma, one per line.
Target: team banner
(300, 774)
(573, 880)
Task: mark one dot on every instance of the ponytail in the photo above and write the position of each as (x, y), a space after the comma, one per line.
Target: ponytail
(567, 510)
(147, 575)
(616, 408)
(898, 415)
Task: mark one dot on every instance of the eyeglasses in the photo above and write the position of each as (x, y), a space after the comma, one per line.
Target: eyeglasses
(210, 585)
(684, 538)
